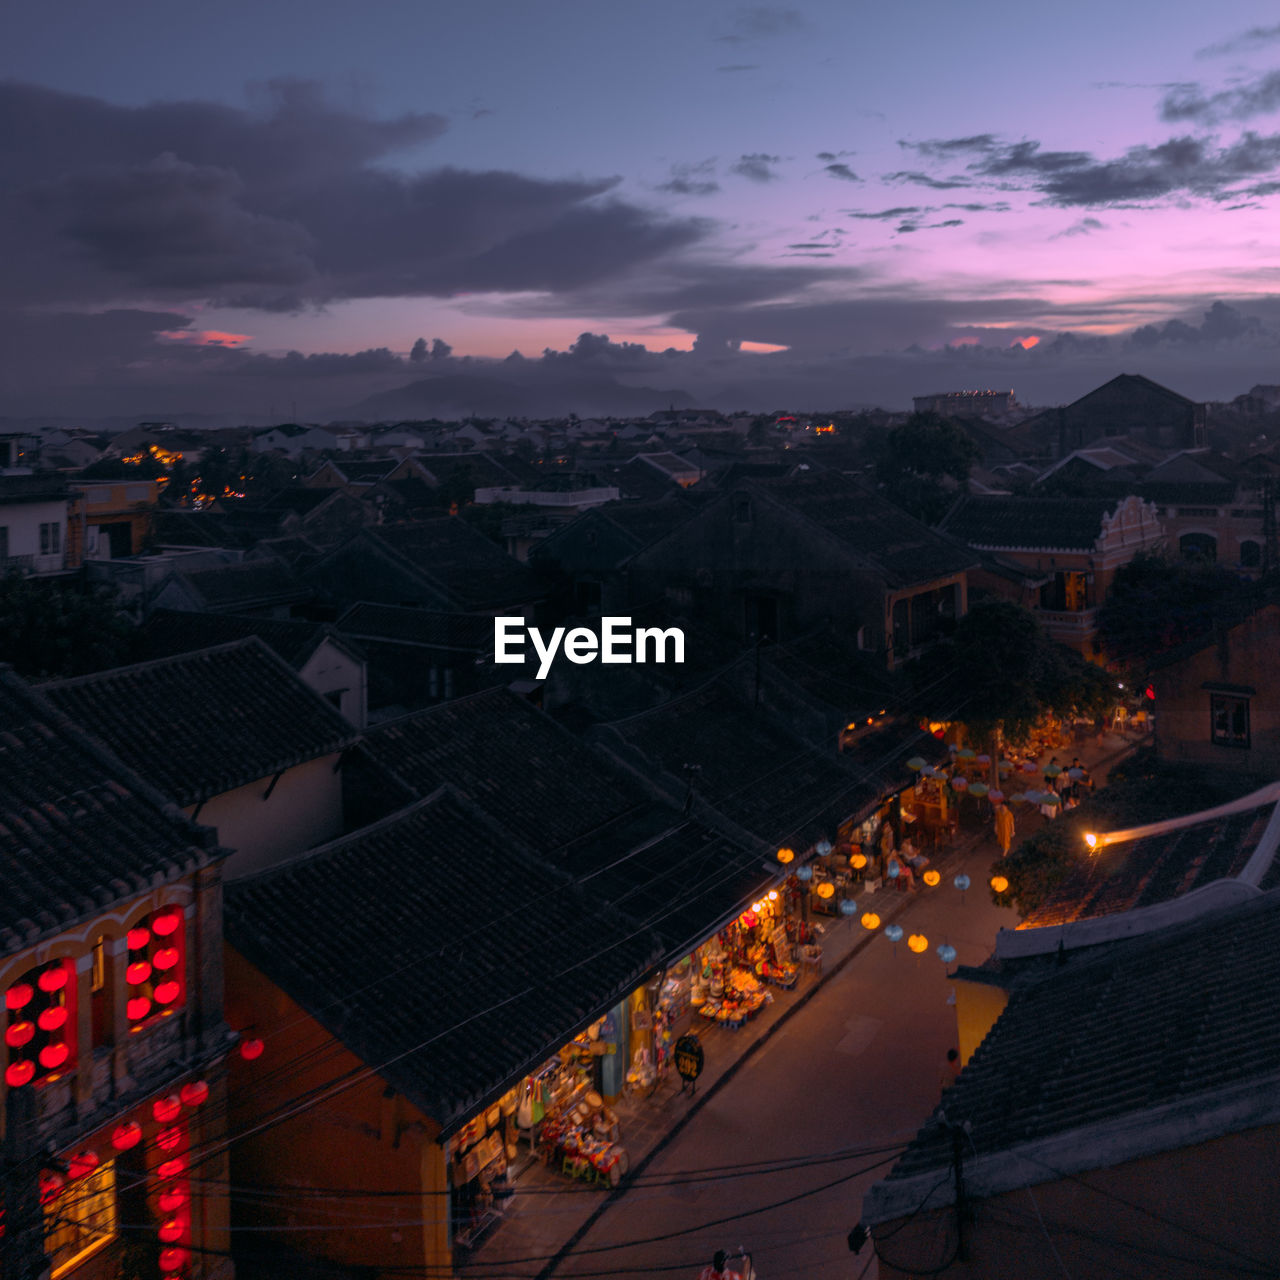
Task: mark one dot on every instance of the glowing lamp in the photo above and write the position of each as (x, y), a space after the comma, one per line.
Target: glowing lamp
(171, 1168)
(857, 861)
(52, 1056)
(826, 890)
(172, 1230)
(961, 882)
(173, 1259)
(137, 1008)
(167, 923)
(172, 1199)
(870, 920)
(786, 855)
(167, 1109)
(138, 938)
(804, 873)
(165, 958)
(918, 943)
(947, 954)
(53, 1018)
(893, 932)
(18, 996)
(169, 1139)
(19, 1073)
(999, 883)
(1091, 840)
(773, 895)
(167, 992)
(749, 919)
(51, 1182)
(18, 1034)
(137, 973)
(53, 979)
(126, 1135)
(893, 870)
(251, 1048)
(848, 907)
(932, 879)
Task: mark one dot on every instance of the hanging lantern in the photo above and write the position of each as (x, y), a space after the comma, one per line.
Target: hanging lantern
(978, 789)
(138, 938)
(251, 1048)
(892, 869)
(1006, 766)
(169, 1139)
(195, 1093)
(804, 873)
(786, 855)
(966, 753)
(848, 907)
(19, 1033)
(959, 783)
(918, 943)
(83, 1164)
(947, 954)
(171, 1168)
(52, 1018)
(999, 883)
(172, 1230)
(932, 879)
(167, 923)
(18, 996)
(53, 979)
(1029, 766)
(826, 890)
(165, 958)
(916, 763)
(19, 1073)
(893, 932)
(995, 795)
(167, 1109)
(52, 1056)
(167, 992)
(173, 1259)
(126, 1135)
(857, 861)
(773, 895)
(51, 1182)
(137, 1008)
(137, 973)
(173, 1198)
(870, 920)
(822, 848)
(961, 882)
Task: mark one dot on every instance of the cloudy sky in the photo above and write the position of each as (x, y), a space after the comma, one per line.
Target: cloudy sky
(260, 207)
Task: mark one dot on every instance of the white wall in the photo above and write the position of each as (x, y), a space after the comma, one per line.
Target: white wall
(330, 669)
(23, 520)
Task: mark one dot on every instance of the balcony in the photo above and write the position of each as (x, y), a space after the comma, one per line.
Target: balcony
(1076, 627)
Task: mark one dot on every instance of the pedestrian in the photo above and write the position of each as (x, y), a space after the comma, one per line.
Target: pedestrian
(719, 1268)
(951, 1069)
(1004, 828)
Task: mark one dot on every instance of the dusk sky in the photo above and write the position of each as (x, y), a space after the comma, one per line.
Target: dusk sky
(838, 203)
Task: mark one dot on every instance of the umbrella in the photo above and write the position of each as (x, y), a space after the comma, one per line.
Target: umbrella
(1006, 766)
(1052, 770)
(978, 788)
(952, 747)
(966, 753)
(929, 772)
(1049, 797)
(1029, 766)
(1075, 773)
(1019, 797)
(995, 795)
(916, 763)
(982, 758)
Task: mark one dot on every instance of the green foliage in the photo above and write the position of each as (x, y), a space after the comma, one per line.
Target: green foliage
(915, 460)
(54, 628)
(1156, 604)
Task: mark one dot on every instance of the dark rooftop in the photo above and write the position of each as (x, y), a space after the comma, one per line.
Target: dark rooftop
(170, 631)
(246, 585)
(1058, 524)
(428, 627)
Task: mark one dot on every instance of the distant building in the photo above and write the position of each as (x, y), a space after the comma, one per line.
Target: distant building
(978, 403)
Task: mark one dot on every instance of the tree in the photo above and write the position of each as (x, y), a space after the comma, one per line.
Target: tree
(419, 352)
(53, 628)
(917, 459)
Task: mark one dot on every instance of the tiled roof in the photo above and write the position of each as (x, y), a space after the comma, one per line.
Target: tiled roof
(199, 724)
(240, 527)
(902, 549)
(1154, 868)
(170, 631)
(1060, 524)
(747, 766)
(450, 1005)
(428, 627)
(79, 829)
(246, 585)
(15, 489)
(1114, 1031)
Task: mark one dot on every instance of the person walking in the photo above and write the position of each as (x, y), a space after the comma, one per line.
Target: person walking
(1004, 828)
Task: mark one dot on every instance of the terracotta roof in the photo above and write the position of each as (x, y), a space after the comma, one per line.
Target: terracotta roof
(450, 1005)
(246, 585)
(79, 829)
(199, 724)
(427, 627)
(171, 631)
(1113, 1032)
(1060, 524)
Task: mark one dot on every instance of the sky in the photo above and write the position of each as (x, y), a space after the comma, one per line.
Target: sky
(256, 211)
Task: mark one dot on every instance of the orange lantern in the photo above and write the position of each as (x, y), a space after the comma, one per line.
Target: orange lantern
(826, 890)
(932, 878)
(138, 938)
(52, 1056)
(999, 883)
(870, 920)
(857, 861)
(918, 943)
(786, 855)
(53, 979)
(137, 1008)
(19, 1033)
(18, 996)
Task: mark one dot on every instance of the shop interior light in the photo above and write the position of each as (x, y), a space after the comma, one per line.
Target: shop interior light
(773, 895)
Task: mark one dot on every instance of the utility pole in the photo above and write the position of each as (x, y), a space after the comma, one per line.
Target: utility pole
(22, 1255)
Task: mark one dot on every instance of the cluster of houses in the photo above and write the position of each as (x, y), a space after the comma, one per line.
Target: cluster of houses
(313, 883)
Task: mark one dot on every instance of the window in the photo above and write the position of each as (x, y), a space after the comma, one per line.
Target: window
(1229, 720)
(40, 1026)
(1198, 546)
(155, 975)
(80, 1217)
(1250, 555)
(51, 539)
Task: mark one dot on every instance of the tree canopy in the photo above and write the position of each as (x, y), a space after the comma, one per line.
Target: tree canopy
(57, 628)
(915, 461)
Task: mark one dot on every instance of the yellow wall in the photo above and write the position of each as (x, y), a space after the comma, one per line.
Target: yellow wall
(978, 1005)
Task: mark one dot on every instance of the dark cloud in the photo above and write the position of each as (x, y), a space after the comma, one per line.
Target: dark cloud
(284, 205)
(758, 167)
(761, 22)
(817, 245)
(1221, 324)
(692, 179)
(842, 171)
(1083, 227)
(1246, 41)
(834, 155)
(922, 179)
(1190, 102)
(949, 148)
(886, 215)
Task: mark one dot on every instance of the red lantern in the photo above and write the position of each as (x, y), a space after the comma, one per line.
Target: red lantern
(251, 1048)
(167, 992)
(50, 1184)
(172, 1199)
(83, 1164)
(18, 1034)
(195, 1093)
(173, 1259)
(126, 1135)
(138, 938)
(169, 1139)
(165, 958)
(171, 1168)
(53, 1056)
(53, 979)
(51, 1019)
(166, 924)
(137, 973)
(18, 996)
(167, 1109)
(172, 1230)
(19, 1073)
(137, 1008)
